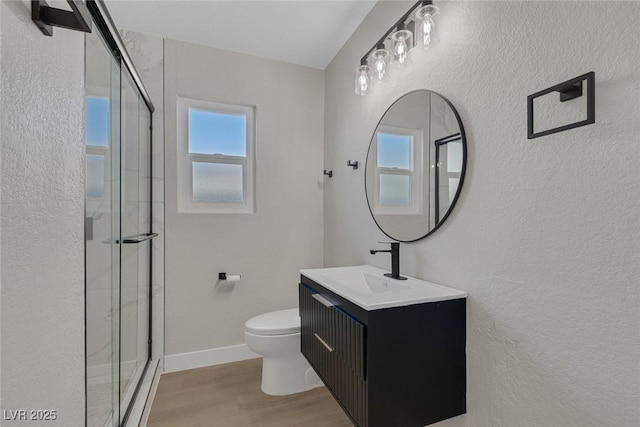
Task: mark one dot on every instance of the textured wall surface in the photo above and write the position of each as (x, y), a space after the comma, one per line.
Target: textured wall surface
(267, 247)
(546, 235)
(42, 191)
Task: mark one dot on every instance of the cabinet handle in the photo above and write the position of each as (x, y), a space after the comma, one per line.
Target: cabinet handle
(327, 346)
(322, 300)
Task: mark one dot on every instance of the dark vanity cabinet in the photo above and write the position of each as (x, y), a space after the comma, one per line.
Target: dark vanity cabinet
(391, 367)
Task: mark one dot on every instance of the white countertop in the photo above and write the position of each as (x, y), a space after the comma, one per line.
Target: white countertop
(367, 287)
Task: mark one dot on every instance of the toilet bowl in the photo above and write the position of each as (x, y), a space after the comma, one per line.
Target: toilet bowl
(276, 336)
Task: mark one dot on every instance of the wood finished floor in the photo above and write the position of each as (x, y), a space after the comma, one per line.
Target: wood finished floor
(230, 396)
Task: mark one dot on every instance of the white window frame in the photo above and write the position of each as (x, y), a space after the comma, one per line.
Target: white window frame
(415, 207)
(185, 160)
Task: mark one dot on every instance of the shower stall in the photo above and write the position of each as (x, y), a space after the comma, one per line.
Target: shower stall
(117, 227)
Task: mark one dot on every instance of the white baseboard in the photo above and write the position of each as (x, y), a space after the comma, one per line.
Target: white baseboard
(210, 357)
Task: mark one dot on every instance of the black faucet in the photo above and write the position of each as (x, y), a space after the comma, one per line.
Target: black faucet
(395, 260)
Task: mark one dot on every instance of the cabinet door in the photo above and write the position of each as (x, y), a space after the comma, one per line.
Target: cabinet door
(333, 342)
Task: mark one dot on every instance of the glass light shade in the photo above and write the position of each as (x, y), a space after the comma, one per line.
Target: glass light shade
(363, 79)
(381, 58)
(402, 43)
(426, 27)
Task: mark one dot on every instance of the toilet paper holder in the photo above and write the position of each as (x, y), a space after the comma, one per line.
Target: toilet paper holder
(223, 276)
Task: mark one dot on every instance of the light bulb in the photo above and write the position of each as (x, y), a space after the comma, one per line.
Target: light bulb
(402, 42)
(426, 29)
(381, 68)
(381, 63)
(400, 50)
(363, 80)
(426, 26)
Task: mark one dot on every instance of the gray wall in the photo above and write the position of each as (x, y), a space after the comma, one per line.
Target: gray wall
(545, 237)
(267, 247)
(42, 192)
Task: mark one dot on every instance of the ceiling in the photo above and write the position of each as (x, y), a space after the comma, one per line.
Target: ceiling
(302, 32)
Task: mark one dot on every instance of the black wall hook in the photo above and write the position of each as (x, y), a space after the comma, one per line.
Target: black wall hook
(354, 165)
(329, 174)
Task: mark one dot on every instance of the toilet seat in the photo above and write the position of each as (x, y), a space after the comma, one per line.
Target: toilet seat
(281, 322)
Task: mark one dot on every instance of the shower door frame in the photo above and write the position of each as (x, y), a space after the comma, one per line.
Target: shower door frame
(114, 43)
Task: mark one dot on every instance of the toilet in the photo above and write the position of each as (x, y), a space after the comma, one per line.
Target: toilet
(276, 336)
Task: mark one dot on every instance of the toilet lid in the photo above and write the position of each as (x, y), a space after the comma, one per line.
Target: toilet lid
(275, 323)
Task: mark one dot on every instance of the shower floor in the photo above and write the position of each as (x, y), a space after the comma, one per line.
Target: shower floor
(230, 396)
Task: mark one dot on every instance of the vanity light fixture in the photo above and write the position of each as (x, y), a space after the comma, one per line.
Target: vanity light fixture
(394, 47)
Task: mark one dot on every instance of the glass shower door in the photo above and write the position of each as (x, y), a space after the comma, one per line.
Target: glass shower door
(102, 233)
(117, 236)
(135, 280)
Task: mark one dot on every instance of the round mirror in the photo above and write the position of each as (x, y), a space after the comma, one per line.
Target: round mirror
(415, 165)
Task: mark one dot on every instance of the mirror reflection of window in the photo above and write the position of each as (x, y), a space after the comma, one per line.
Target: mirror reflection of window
(394, 151)
(97, 140)
(395, 190)
(398, 172)
(394, 166)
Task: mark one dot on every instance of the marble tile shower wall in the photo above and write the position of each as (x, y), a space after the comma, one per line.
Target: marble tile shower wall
(147, 53)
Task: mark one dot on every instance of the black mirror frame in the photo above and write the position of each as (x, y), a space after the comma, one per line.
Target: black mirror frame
(463, 170)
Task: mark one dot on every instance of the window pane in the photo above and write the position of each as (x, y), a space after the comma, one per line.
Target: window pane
(95, 176)
(395, 190)
(217, 133)
(217, 182)
(97, 121)
(394, 151)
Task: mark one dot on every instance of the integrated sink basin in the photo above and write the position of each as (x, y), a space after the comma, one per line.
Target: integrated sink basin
(363, 282)
(367, 287)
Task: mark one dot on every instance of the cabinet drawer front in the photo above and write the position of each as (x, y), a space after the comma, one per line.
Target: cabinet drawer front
(334, 329)
(333, 342)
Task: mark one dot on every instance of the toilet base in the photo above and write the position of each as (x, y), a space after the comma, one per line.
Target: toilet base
(289, 375)
(276, 336)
